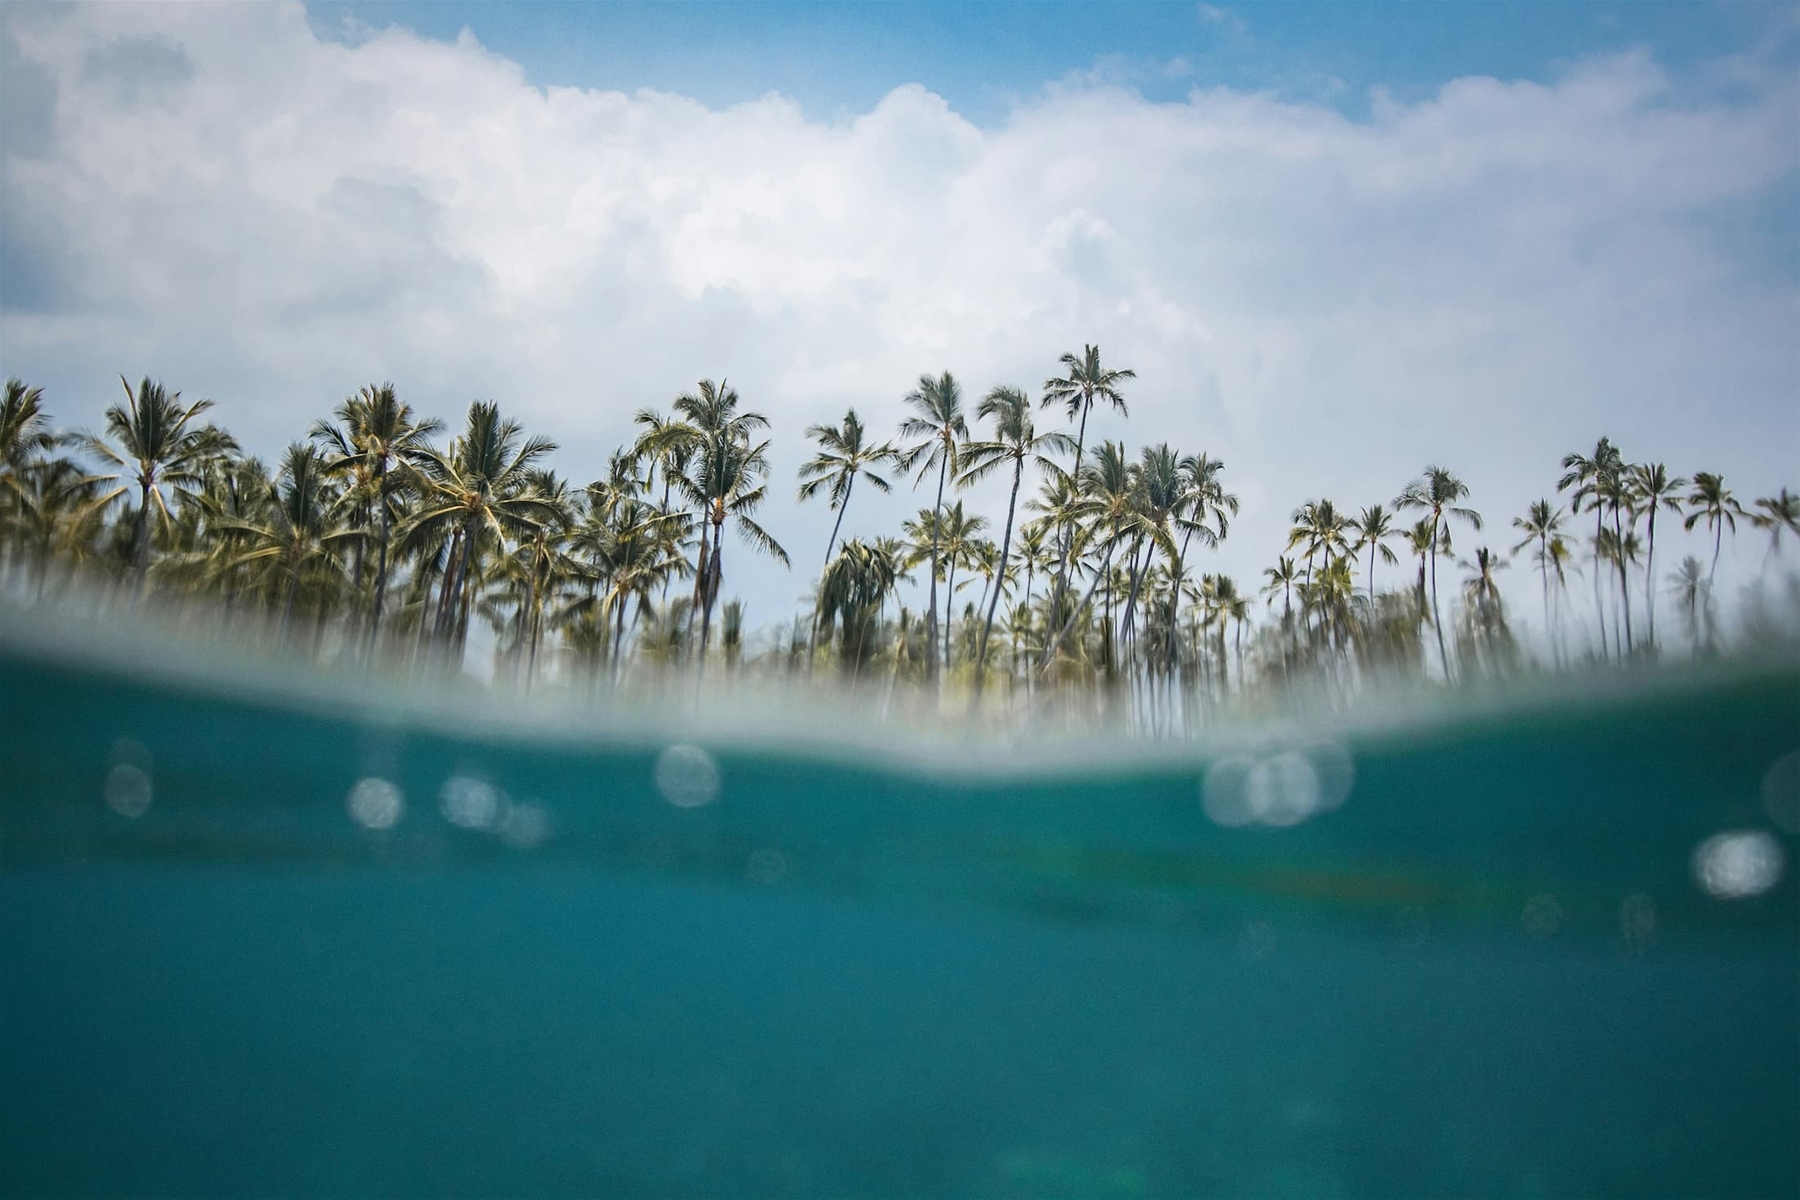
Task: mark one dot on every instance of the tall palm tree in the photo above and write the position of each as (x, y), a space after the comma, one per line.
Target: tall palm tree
(24, 435)
(1015, 441)
(1778, 514)
(1437, 493)
(1319, 526)
(950, 538)
(1711, 501)
(1205, 510)
(1693, 593)
(1084, 380)
(375, 433)
(1373, 529)
(844, 454)
(478, 490)
(724, 480)
(1108, 503)
(1282, 579)
(940, 428)
(158, 444)
(1650, 488)
(1542, 523)
(298, 535)
(1593, 477)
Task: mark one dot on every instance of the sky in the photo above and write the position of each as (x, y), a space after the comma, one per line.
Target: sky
(1336, 243)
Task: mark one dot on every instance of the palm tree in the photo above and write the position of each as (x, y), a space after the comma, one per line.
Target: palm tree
(1652, 488)
(844, 454)
(1777, 514)
(1693, 593)
(1107, 501)
(479, 489)
(1282, 579)
(1319, 526)
(724, 480)
(298, 535)
(1437, 492)
(852, 592)
(1593, 477)
(1542, 524)
(1373, 529)
(1083, 382)
(24, 434)
(1711, 501)
(157, 445)
(940, 427)
(1015, 440)
(377, 432)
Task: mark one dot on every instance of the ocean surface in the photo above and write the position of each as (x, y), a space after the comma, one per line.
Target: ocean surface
(268, 941)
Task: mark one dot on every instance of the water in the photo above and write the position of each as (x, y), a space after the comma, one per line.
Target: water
(254, 941)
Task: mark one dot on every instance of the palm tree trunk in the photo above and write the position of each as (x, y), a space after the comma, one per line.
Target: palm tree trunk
(812, 636)
(949, 608)
(937, 523)
(287, 611)
(714, 574)
(1624, 578)
(381, 559)
(1371, 575)
(140, 550)
(1068, 534)
(1056, 643)
(1650, 579)
(999, 577)
(1599, 603)
(1544, 574)
(1718, 540)
(1437, 621)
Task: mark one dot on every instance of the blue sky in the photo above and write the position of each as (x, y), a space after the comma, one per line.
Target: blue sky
(833, 57)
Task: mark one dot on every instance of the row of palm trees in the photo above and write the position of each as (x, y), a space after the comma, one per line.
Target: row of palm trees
(387, 543)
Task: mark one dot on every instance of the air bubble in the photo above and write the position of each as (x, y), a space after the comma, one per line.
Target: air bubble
(1542, 917)
(128, 785)
(687, 777)
(1637, 922)
(469, 802)
(375, 803)
(766, 866)
(524, 826)
(1738, 864)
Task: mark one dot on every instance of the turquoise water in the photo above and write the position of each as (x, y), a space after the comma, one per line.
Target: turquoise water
(1501, 966)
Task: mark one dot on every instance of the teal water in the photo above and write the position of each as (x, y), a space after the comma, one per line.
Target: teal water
(1498, 967)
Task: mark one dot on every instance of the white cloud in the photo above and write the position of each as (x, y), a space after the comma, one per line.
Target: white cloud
(1488, 278)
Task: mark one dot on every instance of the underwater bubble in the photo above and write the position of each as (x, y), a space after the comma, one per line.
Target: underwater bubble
(1781, 792)
(1637, 922)
(375, 803)
(128, 790)
(1740, 863)
(687, 777)
(1283, 790)
(1225, 793)
(469, 802)
(1542, 917)
(1334, 773)
(524, 826)
(766, 866)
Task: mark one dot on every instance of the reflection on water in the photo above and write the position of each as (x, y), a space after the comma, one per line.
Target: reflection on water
(255, 948)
